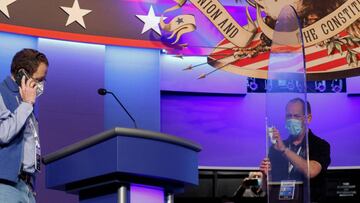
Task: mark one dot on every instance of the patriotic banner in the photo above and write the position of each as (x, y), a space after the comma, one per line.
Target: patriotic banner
(331, 36)
(331, 29)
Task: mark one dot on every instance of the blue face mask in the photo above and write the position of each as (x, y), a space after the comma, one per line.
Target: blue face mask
(294, 127)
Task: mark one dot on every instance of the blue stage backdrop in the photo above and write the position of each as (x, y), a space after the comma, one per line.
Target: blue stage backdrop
(133, 75)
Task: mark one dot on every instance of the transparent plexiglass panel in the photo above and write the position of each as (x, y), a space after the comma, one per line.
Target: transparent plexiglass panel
(286, 114)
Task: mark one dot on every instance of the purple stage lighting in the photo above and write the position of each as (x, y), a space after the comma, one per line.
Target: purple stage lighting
(148, 194)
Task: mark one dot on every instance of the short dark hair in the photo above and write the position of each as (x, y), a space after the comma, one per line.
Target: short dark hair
(28, 59)
(299, 100)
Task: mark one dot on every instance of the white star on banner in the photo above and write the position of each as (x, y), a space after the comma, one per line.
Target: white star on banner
(3, 6)
(151, 22)
(75, 14)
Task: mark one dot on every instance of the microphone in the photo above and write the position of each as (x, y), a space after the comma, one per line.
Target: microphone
(102, 91)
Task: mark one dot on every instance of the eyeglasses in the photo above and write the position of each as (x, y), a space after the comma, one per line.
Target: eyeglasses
(296, 116)
(39, 80)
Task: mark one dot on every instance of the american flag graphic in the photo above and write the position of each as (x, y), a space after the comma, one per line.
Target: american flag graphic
(320, 65)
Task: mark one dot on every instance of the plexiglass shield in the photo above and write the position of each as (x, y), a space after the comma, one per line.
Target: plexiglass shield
(286, 113)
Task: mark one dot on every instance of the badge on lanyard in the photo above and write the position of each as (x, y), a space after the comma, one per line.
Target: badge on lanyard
(37, 155)
(287, 190)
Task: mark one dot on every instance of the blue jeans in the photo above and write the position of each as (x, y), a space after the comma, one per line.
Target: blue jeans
(20, 193)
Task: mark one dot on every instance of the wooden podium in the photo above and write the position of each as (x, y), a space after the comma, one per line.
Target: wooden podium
(102, 168)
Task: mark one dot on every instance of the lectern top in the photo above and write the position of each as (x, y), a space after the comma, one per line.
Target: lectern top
(127, 132)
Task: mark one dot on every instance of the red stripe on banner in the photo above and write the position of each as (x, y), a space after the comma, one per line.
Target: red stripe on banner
(230, 51)
(343, 33)
(222, 54)
(316, 55)
(225, 41)
(247, 61)
(264, 68)
(81, 37)
(286, 48)
(328, 65)
(252, 43)
(324, 53)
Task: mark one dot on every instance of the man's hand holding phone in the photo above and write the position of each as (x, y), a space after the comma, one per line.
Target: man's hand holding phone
(28, 90)
(250, 182)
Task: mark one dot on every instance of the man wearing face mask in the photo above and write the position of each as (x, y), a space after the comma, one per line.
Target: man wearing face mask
(19, 135)
(287, 156)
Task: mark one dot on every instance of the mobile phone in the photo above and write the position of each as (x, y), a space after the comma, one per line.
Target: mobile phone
(251, 182)
(20, 74)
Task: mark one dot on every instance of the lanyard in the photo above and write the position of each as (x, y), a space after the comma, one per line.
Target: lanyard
(37, 144)
(31, 122)
(291, 166)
